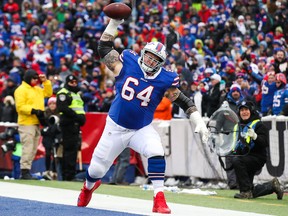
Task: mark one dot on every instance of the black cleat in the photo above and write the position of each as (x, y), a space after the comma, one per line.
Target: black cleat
(277, 188)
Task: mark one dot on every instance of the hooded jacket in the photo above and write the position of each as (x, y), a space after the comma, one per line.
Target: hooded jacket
(262, 140)
(28, 98)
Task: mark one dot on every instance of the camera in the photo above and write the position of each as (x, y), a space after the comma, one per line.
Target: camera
(10, 139)
(52, 131)
(53, 119)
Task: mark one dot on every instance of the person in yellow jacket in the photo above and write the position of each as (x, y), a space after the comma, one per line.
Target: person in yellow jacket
(29, 101)
(72, 117)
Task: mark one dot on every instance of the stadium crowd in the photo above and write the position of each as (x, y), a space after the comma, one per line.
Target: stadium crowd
(240, 44)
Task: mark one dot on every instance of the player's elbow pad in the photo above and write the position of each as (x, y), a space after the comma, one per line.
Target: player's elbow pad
(184, 102)
(104, 48)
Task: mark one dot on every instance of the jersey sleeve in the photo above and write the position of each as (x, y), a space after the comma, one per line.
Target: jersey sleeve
(175, 81)
(125, 55)
(173, 77)
(286, 97)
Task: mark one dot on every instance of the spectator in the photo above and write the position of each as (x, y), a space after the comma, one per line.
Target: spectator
(78, 30)
(26, 8)
(204, 13)
(196, 95)
(164, 109)
(251, 159)
(108, 99)
(280, 63)
(156, 10)
(42, 57)
(240, 23)
(212, 99)
(29, 101)
(187, 40)
(51, 140)
(50, 69)
(268, 89)
(172, 37)
(238, 8)
(8, 111)
(159, 35)
(72, 117)
(11, 7)
(118, 45)
(146, 35)
(234, 98)
(18, 46)
(4, 51)
(17, 27)
(201, 32)
(120, 169)
(280, 99)
(93, 97)
(64, 72)
(132, 37)
(16, 73)
(94, 24)
(9, 88)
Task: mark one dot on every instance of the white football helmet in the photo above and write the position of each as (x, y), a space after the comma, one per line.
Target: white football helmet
(154, 65)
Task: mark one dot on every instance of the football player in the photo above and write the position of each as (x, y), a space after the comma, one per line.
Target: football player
(141, 82)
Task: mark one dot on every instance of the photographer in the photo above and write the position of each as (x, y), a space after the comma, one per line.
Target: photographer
(52, 138)
(29, 101)
(11, 142)
(251, 153)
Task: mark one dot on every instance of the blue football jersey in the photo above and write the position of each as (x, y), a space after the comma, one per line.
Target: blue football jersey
(268, 91)
(279, 101)
(138, 95)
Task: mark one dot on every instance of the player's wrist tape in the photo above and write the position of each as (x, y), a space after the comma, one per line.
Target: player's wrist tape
(191, 110)
(112, 27)
(185, 103)
(104, 48)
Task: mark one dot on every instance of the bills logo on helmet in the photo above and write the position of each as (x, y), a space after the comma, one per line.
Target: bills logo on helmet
(159, 47)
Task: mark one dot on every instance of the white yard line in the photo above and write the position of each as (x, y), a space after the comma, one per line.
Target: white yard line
(106, 202)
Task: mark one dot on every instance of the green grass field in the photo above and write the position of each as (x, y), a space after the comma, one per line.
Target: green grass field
(224, 198)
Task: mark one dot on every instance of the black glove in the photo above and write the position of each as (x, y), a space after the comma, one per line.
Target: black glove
(37, 112)
(81, 119)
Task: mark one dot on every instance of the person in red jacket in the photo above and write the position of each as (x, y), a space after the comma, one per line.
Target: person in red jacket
(204, 13)
(146, 35)
(11, 7)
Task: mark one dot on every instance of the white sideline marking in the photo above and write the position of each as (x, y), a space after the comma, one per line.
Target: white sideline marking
(107, 202)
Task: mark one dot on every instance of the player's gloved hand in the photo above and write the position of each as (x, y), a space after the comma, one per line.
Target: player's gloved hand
(37, 112)
(251, 133)
(201, 128)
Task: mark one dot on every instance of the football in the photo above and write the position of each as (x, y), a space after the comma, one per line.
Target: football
(117, 10)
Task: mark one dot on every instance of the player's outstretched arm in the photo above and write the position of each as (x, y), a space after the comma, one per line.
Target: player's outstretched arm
(190, 109)
(106, 50)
